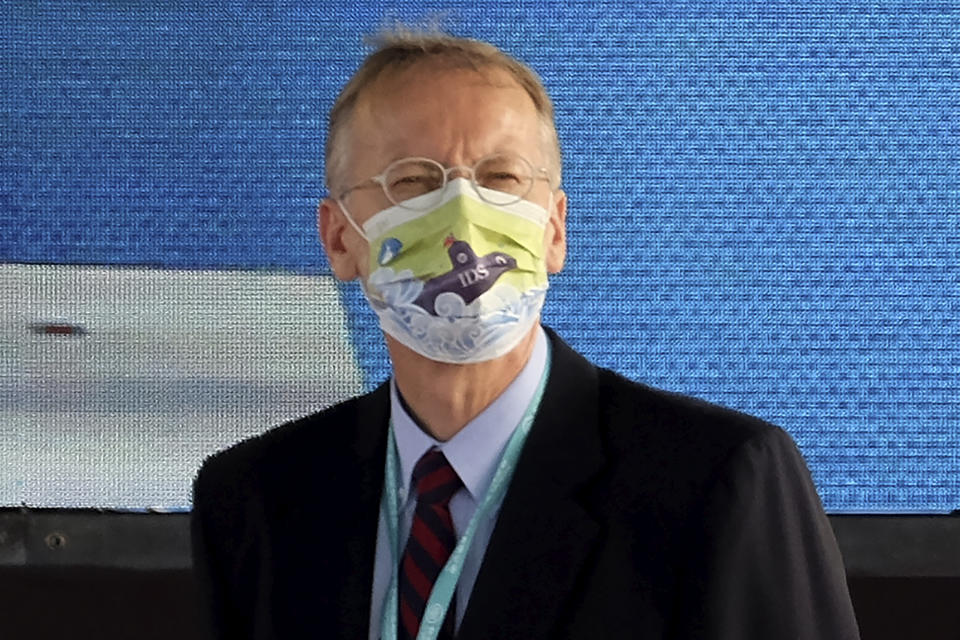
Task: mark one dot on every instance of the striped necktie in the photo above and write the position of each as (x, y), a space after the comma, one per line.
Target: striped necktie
(431, 542)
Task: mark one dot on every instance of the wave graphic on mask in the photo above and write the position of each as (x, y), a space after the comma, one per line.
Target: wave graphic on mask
(462, 282)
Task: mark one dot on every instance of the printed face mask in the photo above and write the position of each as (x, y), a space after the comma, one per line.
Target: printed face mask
(461, 282)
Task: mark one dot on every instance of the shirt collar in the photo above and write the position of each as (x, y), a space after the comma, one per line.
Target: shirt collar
(476, 449)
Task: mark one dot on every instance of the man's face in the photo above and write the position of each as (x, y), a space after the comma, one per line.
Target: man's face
(453, 116)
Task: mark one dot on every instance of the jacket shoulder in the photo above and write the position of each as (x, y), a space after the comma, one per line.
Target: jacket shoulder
(329, 432)
(669, 417)
(669, 448)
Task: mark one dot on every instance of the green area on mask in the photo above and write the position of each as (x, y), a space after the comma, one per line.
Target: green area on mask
(485, 228)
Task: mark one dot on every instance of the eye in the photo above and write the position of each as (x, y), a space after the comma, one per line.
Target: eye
(500, 180)
(500, 260)
(507, 173)
(461, 258)
(504, 175)
(412, 182)
(411, 178)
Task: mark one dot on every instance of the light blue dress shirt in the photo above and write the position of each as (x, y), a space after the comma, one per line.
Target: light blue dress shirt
(474, 453)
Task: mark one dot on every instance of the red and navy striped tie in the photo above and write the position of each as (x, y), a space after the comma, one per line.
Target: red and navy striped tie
(431, 542)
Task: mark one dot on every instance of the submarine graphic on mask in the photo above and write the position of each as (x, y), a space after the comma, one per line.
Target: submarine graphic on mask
(470, 276)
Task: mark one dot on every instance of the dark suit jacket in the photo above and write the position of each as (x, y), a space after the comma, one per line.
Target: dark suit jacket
(633, 513)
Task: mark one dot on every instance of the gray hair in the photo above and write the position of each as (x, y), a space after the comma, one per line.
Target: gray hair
(401, 47)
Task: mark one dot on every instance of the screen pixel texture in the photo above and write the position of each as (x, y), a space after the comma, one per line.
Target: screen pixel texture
(764, 197)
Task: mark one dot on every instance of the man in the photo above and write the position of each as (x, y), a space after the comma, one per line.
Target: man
(499, 485)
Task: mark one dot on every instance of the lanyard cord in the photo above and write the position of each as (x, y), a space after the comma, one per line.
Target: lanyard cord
(446, 584)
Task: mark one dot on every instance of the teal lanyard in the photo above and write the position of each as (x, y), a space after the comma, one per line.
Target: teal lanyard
(446, 584)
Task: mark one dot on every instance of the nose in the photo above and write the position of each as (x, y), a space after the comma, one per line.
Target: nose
(459, 171)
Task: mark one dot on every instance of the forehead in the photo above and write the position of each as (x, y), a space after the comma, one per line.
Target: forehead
(438, 111)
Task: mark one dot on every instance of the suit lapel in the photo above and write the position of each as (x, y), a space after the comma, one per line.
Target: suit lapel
(331, 588)
(543, 532)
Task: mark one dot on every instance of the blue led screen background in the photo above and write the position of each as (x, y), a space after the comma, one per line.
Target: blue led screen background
(764, 199)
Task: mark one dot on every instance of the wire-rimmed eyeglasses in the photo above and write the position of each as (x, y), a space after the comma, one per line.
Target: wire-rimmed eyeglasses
(499, 178)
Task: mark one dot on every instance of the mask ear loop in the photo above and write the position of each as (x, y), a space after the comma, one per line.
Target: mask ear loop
(350, 219)
(549, 211)
(356, 227)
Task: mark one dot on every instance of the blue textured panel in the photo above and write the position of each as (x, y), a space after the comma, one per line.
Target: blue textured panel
(765, 197)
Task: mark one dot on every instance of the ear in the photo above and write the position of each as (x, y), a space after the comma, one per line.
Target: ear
(340, 240)
(555, 236)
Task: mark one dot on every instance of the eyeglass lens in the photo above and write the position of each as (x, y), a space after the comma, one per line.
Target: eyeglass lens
(508, 177)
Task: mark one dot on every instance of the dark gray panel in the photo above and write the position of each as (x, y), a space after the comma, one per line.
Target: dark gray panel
(872, 546)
